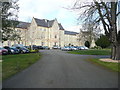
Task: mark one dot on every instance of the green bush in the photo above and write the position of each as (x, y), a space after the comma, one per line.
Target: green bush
(103, 41)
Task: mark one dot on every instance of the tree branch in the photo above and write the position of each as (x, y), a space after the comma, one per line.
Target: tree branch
(101, 16)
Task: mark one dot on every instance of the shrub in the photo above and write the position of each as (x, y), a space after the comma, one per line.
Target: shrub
(103, 41)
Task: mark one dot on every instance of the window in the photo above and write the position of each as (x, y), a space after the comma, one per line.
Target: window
(55, 36)
(42, 43)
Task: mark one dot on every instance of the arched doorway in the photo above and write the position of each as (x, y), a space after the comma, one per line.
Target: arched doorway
(87, 44)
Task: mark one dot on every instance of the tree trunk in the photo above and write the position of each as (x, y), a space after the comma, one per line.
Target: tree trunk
(118, 52)
(115, 52)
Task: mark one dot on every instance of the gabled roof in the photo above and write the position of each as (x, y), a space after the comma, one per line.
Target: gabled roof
(23, 25)
(71, 33)
(42, 22)
(47, 23)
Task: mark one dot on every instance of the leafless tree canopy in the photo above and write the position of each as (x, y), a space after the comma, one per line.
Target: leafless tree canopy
(105, 13)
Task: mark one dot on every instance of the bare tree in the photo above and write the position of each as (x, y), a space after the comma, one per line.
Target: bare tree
(105, 13)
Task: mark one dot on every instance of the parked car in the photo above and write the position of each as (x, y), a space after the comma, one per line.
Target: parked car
(16, 51)
(56, 47)
(46, 47)
(82, 48)
(40, 47)
(66, 48)
(28, 47)
(86, 48)
(23, 50)
(3, 51)
(10, 51)
(73, 48)
(34, 47)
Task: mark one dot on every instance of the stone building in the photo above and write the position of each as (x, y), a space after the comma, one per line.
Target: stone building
(45, 32)
(21, 30)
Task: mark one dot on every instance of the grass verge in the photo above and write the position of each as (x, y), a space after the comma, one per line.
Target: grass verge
(109, 65)
(92, 52)
(13, 64)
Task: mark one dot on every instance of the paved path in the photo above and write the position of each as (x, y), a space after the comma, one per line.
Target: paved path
(58, 69)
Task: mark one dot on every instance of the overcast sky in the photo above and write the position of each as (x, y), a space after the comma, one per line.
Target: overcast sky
(49, 9)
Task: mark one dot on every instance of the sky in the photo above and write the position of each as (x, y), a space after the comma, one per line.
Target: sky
(49, 9)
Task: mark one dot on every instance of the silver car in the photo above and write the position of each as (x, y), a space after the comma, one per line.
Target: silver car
(66, 48)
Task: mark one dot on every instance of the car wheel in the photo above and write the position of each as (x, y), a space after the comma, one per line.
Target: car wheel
(22, 52)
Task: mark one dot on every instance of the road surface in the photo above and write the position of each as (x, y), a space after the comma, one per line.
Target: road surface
(58, 69)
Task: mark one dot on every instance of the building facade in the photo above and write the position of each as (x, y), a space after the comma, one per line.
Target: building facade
(45, 32)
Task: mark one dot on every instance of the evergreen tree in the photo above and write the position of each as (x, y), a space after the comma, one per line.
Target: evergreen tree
(9, 20)
(106, 13)
(103, 41)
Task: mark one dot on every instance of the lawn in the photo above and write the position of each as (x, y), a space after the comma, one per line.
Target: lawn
(13, 64)
(0, 72)
(92, 52)
(109, 65)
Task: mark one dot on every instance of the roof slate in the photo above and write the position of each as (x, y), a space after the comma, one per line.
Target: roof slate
(42, 22)
(47, 23)
(71, 33)
(23, 25)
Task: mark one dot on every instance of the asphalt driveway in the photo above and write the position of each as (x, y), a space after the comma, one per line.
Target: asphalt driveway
(58, 69)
